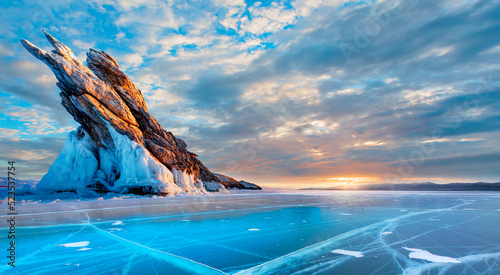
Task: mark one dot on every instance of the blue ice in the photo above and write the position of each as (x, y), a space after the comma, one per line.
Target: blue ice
(263, 233)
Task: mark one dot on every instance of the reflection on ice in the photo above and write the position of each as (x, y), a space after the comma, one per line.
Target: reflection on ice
(264, 234)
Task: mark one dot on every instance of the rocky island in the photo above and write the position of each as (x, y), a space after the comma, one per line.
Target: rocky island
(119, 146)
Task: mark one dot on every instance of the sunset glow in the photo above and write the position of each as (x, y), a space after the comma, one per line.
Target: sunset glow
(282, 93)
(349, 180)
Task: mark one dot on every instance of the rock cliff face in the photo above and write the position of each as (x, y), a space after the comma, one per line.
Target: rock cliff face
(249, 185)
(231, 183)
(119, 146)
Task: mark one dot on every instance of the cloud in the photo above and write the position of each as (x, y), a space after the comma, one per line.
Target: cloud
(32, 156)
(38, 122)
(293, 91)
(20, 77)
(396, 113)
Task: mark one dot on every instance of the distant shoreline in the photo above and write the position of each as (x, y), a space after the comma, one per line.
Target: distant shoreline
(427, 186)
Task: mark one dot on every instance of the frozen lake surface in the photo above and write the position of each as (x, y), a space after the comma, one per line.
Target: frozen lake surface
(312, 232)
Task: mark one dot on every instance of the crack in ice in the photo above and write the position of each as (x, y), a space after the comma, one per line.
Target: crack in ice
(178, 261)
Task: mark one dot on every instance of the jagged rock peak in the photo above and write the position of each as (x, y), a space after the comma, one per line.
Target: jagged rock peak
(119, 146)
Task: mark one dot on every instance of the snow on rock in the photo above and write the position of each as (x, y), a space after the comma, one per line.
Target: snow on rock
(119, 146)
(228, 182)
(426, 255)
(231, 183)
(249, 185)
(213, 186)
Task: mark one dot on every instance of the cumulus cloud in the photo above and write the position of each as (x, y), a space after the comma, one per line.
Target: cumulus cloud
(291, 91)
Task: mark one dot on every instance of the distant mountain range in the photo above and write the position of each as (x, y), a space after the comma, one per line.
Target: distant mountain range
(421, 186)
(19, 183)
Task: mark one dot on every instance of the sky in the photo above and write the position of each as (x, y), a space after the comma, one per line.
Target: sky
(304, 93)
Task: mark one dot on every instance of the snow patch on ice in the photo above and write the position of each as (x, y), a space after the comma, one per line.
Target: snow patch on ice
(76, 244)
(356, 254)
(121, 198)
(345, 214)
(386, 233)
(426, 255)
(83, 249)
(117, 223)
(253, 229)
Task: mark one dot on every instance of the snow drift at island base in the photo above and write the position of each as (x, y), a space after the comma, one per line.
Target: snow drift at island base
(119, 146)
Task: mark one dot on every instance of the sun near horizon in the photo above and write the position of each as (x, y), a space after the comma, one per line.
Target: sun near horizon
(281, 93)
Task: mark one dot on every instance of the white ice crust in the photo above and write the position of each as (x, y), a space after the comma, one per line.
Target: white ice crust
(128, 164)
(76, 244)
(356, 254)
(426, 255)
(75, 165)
